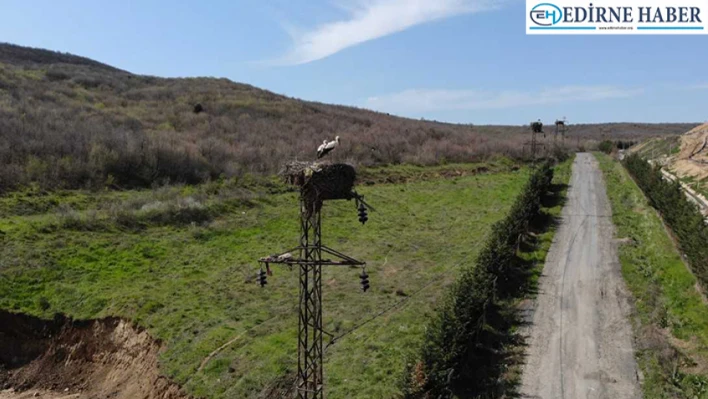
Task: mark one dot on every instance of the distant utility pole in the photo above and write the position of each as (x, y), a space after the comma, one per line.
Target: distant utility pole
(561, 129)
(317, 184)
(536, 129)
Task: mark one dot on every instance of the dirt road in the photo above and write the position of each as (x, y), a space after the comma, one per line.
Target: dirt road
(580, 340)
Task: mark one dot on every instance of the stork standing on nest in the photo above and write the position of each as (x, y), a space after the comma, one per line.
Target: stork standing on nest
(327, 147)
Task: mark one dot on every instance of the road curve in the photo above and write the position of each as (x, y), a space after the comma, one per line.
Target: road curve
(580, 339)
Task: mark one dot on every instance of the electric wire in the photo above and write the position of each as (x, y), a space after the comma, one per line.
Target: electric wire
(435, 279)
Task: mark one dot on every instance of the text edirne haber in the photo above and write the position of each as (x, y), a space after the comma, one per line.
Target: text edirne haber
(628, 14)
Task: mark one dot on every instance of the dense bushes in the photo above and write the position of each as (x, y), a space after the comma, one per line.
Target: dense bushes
(606, 146)
(682, 216)
(79, 125)
(459, 347)
(69, 122)
(623, 145)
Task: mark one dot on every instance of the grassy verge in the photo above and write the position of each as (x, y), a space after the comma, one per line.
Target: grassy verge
(533, 254)
(191, 284)
(471, 344)
(216, 195)
(700, 186)
(671, 325)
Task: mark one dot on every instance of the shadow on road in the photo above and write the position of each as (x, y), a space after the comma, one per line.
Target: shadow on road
(498, 375)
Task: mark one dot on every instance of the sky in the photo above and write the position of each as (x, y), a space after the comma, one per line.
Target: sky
(461, 61)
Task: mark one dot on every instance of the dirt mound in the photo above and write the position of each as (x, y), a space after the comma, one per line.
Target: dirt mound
(108, 358)
(692, 160)
(693, 143)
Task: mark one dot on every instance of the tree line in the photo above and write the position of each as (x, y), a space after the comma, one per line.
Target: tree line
(607, 146)
(462, 341)
(683, 216)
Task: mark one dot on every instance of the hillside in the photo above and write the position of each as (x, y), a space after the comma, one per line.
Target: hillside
(686, 156)
(71, 122)
(692, 160)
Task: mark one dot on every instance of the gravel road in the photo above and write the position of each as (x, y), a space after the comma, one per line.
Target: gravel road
(580, 339)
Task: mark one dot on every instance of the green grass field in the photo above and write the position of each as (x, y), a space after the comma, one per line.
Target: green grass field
(180, 261)
(672, 318)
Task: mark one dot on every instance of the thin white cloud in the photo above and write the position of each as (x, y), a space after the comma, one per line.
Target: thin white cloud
(703, 86)
(423, 100)
(372, 19)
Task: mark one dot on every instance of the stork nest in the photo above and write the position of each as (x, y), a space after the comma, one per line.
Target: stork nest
(320, 181)
(537, 127)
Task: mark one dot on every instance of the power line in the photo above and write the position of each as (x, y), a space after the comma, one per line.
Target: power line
(435, 279)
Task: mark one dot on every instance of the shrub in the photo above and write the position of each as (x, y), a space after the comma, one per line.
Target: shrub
(682, 216)
(51, 132)
(457, 353)
(72, 220)
(606, 146)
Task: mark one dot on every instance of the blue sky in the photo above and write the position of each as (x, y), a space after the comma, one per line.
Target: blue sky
(466, 61)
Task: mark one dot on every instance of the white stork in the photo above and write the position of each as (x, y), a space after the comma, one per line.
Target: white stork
(327, 147)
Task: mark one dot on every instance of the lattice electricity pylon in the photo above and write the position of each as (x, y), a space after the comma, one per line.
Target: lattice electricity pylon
(310, 376)
(562, 129)
(536, 129)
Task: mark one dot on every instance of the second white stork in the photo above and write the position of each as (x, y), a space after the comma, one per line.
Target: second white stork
(327, 147)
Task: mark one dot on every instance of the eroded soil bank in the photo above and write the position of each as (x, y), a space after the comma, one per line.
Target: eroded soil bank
(64, 358)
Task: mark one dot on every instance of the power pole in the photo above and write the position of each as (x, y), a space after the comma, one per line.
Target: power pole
(536, 128)
(310, 374)
(310, 349)
(561, 128)
(555, 136)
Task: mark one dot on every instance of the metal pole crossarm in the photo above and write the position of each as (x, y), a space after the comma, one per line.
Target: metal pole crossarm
(324, 262)
(308, 257)
(345, 259)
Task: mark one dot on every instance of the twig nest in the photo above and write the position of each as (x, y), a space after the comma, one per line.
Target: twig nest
(320, 181)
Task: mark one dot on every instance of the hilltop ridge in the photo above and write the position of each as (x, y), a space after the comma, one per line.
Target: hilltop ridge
(20, 55)
(68, 121)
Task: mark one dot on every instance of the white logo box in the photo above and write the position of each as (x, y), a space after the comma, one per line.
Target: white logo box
(649, 17)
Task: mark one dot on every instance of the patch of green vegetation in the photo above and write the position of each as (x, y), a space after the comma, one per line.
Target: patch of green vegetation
(220, 195)
(679, 214)
(165, 126)
(32, 74)
(192, 285)
(658, 147)
(699, 185)
(702, 187)
(606, 146)
(665, 295)
(534, 255)
(469, 343)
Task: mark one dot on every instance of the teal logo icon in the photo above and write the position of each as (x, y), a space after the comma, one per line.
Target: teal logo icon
(546, 14)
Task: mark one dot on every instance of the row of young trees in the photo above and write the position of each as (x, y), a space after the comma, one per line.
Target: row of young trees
(682, 216)
(461, 343)
(607, 146)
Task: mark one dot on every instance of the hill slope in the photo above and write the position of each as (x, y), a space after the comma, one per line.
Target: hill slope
(67, 121)
(693, 159)
(686, 156)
